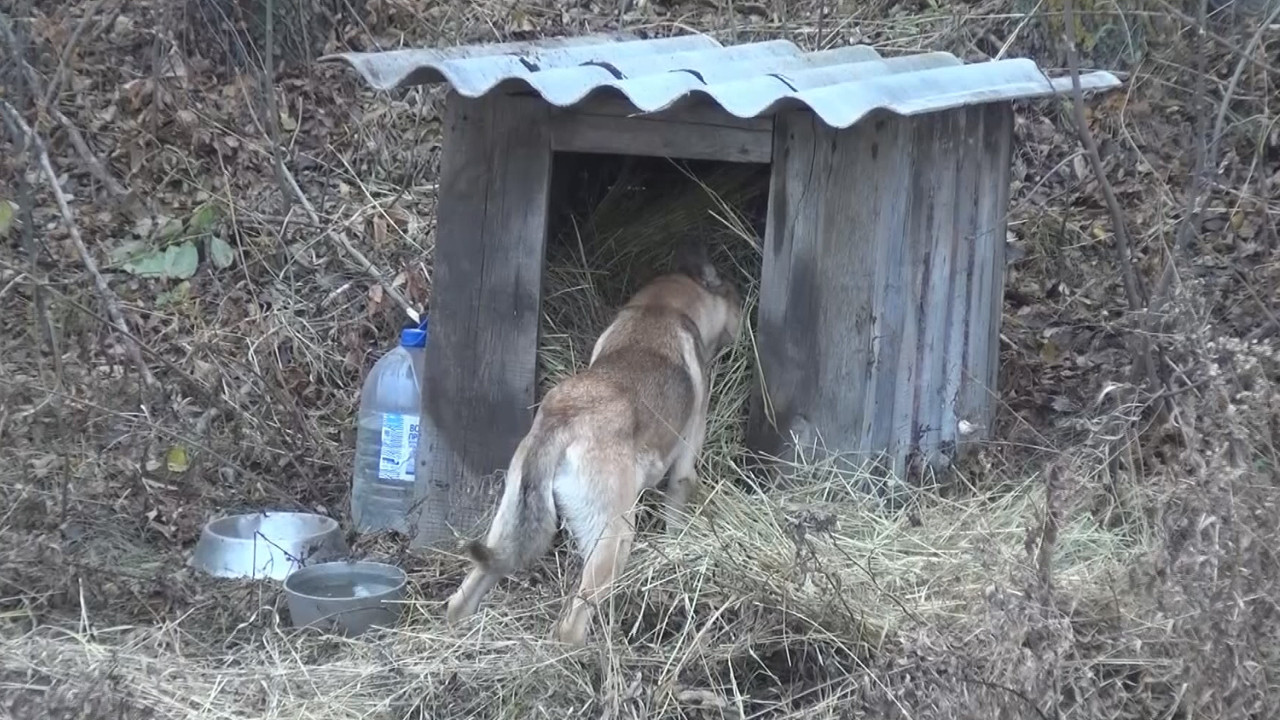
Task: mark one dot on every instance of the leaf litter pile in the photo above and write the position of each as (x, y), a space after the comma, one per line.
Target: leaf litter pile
(1108, 555)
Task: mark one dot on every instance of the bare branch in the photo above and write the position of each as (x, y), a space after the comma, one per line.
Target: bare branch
(91, 161)
(1144, 357)
(55, 83)
(1124, 252)
(1207, 144)
(289, 184)
(26, 209)
(364, 262)
(105, 293)
(1228, 45)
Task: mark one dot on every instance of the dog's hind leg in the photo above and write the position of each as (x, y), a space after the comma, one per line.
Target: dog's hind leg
(599, 511)
(603, 565)
(466, 599)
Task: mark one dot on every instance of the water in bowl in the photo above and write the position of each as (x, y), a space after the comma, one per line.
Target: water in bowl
(356, 585)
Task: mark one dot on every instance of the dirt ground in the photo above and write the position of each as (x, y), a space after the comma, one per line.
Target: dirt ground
(1110, 553)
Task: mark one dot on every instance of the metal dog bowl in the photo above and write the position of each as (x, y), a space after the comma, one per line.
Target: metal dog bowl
(267, 544)
(346, 596)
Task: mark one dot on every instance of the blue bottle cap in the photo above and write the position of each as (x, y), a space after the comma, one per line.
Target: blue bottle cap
(413, 337)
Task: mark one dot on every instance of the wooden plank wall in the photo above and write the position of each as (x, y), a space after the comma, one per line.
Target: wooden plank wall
(692, 133)
(481, 360)
(882, 285)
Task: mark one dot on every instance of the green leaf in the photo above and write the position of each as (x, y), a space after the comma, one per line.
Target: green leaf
(144, 264)
(126, 251)
(6, 217)
(203, 219)
(171, 229)
(176, 261)
(220, 252)
(181, 261)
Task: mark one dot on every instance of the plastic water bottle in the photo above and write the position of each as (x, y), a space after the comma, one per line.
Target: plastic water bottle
(387, 436)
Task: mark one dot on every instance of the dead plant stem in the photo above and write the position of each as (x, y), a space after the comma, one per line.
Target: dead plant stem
(44, 323)
(91, 161)
(364, 262)
(105, 293)
(55, 83)
(1124, 253)
(1198, 178)
(1207, 145)
(1140, 344)
(289, 184)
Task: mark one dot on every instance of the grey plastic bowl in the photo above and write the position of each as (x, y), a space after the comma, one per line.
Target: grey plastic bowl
(267, 544)
(347, 597)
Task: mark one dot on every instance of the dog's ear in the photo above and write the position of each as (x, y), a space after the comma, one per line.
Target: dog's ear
(693, 259)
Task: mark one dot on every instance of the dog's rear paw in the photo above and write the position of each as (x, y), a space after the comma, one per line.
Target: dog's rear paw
(456, 610)
(572, 631)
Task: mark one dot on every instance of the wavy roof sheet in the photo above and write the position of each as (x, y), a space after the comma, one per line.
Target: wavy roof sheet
(840, 85)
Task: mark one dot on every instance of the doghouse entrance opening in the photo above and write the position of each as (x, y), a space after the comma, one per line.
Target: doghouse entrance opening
(615, 223)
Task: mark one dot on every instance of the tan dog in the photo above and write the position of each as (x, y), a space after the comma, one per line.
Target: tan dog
(606, 434)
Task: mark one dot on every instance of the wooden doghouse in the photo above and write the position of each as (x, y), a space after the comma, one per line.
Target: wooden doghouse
(880, 298)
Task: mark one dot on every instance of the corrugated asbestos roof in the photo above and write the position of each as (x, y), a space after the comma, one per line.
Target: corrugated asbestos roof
(839, 85)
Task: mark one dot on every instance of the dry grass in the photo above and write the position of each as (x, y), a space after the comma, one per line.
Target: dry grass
(1154, 598)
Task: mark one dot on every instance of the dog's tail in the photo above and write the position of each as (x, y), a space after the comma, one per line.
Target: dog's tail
(525, 523)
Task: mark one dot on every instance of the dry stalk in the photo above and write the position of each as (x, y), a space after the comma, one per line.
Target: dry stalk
(91, 161)
(1207, 144)
(26, 208)
(108, 297)
(365, 264)
(1229, 45)
(55, 83)
(289, 184)
(1141, 345)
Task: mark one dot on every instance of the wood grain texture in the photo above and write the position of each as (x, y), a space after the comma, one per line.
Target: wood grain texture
(967, 184)
(881, 288)
(581, 132)
(931, 411)
(481, 360)
(787, 312)
(985, 280)
(834, 194)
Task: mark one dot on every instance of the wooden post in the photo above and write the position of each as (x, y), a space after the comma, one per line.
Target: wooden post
(481, 357)
(882, 285)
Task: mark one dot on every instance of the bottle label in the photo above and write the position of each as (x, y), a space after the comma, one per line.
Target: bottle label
(399, 447)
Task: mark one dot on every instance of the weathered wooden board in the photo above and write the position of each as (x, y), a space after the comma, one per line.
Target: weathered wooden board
(694, 134)
(787, 311)
(833, 196)
(968, 133)
(985, 283)
(481, 359)
(880, 297)
(930, 410)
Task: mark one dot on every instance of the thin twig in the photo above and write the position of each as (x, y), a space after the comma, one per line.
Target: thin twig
(364, 262)
(1141, 344)
(1206, 152)
(1124, 253)
(1229, 45)
(105, 293)
(55, 83)
(289, 184)
(91, 161)
(26, 210)
(1198, 180)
